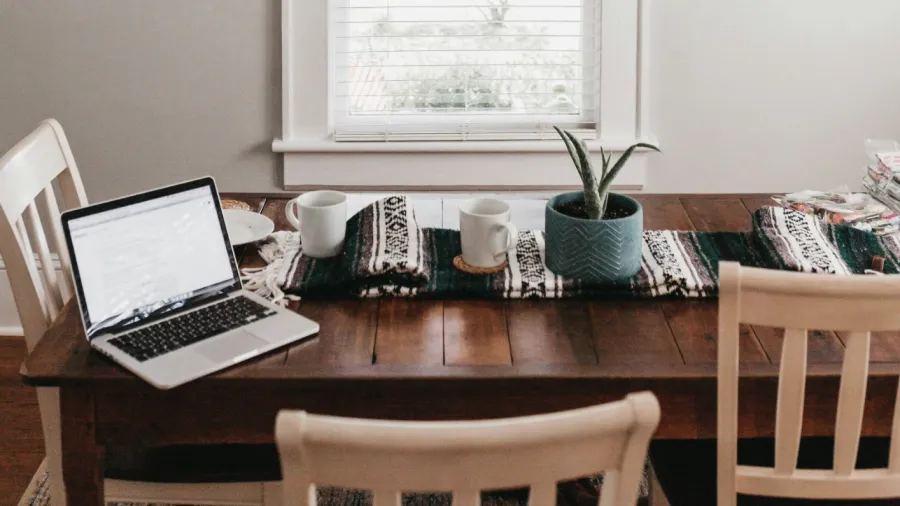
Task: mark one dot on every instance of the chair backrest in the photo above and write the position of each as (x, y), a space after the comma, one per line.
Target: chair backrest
(392, 457)
(796, 302)
(28, 174)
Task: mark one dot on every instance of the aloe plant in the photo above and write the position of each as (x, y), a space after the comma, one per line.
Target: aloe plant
(596, 190)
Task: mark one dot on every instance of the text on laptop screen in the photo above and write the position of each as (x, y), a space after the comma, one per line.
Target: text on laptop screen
(149, 254)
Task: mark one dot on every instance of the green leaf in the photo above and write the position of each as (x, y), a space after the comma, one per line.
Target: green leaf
(605, 163)
(584, 146)
(648, 146)
(587, 155)
(607, 180)
(562, 133)
(588, 178)
(603, 203)
(587, 167)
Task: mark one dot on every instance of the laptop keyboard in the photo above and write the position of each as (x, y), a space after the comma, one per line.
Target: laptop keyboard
(189, 328)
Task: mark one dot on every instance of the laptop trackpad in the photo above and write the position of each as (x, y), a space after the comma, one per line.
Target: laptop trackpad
(233, 345)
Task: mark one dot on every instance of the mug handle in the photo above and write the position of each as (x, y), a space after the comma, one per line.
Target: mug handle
(511, 238)
(291, 215)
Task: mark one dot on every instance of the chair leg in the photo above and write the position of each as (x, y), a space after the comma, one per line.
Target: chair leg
(272, 495)
(657, 494)
(48, 401)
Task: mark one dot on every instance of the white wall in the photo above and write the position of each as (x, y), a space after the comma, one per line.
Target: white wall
(758, 95)
(771, 95)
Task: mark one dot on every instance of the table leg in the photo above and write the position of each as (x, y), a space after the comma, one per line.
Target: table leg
(82, 458)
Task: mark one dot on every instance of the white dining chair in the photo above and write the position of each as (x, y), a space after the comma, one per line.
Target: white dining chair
(466, 457)
(854, 305)
(30, 175)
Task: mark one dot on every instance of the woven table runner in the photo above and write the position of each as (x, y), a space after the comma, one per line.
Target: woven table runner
(387, 254)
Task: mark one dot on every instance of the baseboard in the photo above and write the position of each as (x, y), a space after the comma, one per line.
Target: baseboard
(11, 330)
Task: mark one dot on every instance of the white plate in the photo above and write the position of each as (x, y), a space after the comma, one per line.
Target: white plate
(246, 226)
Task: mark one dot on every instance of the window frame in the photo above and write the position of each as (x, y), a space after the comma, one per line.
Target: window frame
(313, 160)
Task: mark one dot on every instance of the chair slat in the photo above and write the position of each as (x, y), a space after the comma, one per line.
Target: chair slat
(387, 498)
(23, 279)
(70, 184)
(73, 195)
(48, 271)
(28, 254)
(542, 494)
(59, 241)
(894, 459)
(301, 493)
(611, 482)
(466, 498)
(791, 391)
(851, 402)
(727, 385)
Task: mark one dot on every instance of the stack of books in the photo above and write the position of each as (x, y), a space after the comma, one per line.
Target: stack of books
(882, 179)
(858, 210)
(876, 211)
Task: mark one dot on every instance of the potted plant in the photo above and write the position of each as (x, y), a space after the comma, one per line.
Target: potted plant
(594, 235)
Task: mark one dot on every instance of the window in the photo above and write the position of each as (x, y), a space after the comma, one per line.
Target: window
(407, 70)
(358, 75)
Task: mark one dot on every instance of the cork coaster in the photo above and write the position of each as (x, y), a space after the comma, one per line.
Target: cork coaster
(460, 264)
(235, 204)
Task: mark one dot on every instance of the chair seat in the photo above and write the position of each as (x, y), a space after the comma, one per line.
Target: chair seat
(194, 464)
(687, 469)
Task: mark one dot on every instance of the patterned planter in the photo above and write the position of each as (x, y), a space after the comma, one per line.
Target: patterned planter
(594, 251)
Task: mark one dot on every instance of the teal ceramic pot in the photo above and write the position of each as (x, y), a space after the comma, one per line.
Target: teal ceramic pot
(604, 251)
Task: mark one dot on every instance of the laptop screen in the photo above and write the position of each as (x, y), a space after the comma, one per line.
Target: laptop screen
(135, 258)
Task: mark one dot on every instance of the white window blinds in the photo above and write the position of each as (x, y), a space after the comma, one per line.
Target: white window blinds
(435, 70)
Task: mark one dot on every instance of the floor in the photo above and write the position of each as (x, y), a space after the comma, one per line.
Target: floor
(21, 443)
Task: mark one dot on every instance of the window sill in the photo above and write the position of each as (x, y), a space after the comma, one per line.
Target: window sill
(501, 166)
(550, 145)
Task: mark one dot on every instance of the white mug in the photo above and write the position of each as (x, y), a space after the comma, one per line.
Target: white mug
(486, 233)
(321, 218)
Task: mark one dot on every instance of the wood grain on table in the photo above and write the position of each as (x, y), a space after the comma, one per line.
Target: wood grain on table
(650, 332)
(421, 359)
(647, 333)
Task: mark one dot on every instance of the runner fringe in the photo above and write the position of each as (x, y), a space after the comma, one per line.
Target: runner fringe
(267, 281)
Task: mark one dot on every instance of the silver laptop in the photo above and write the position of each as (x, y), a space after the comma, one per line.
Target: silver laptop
(159, 289)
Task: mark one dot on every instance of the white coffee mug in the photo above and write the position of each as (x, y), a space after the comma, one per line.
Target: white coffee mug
(486, 233)
(321, 218)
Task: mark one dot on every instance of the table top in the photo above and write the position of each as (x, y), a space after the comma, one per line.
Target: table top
(400, 338)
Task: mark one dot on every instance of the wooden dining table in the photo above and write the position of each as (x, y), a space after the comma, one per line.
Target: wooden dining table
(456, 359)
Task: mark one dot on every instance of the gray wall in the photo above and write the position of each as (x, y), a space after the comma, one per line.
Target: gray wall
(747, 96)
(149, 91)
